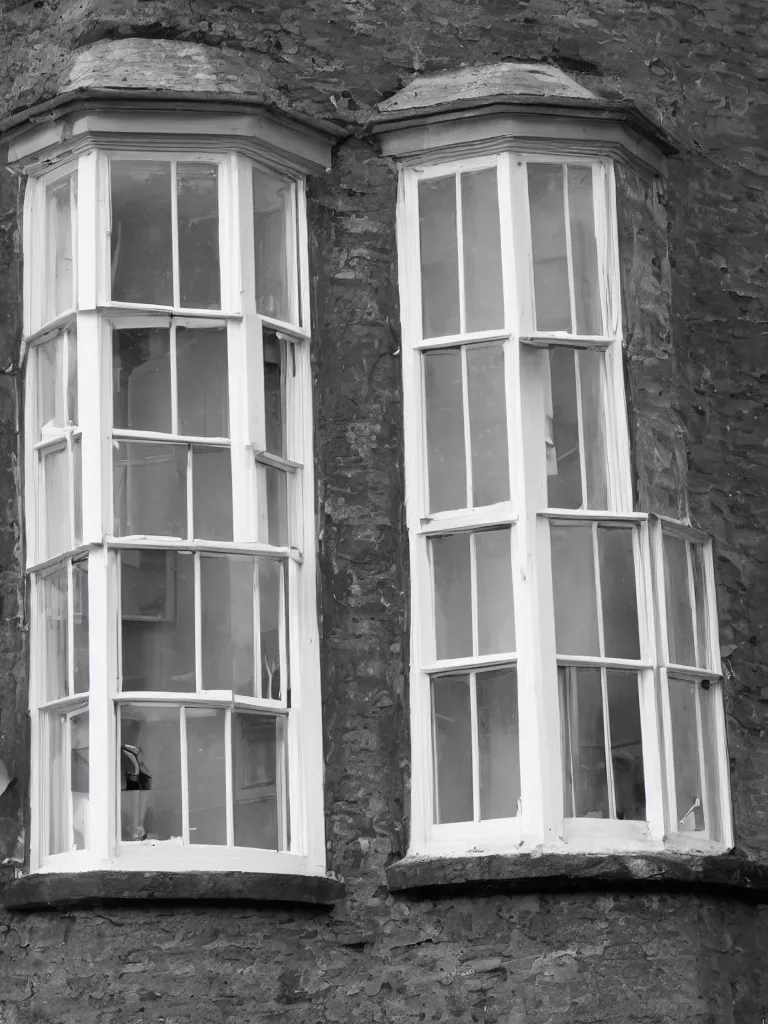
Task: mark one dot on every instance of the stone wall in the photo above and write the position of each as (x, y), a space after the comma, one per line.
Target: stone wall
(699, 427)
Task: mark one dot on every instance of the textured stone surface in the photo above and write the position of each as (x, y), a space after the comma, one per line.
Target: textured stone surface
(696, 381)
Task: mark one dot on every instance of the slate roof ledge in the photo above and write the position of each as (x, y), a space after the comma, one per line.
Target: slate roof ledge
(535, 103)
(54, 890)
(434, 877)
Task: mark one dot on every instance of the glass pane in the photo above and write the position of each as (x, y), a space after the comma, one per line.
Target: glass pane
(689, 814)
(53, 609)
(274, 393)
(80, 624)
(71, 343)
(452, 739)
(51, 414)
(573, 581)
(277, 506)
(487, 424)
(79, 734)
(157, 594)
(626, 745)
(585, 773)
(206, 760)
(495, 609)
(679, 614)
(77, 486)
(150, 773)
(60, 286)
(270, 615)
(258, 780)
(581, 210)
(150, 489)
(57, 536)
(446, 459)
(58, 823)
(621, 638)
(226, 588)
(550, 252)
(498, 743)
(702, 610)
(482, 250)
(211, 492)
(453, 596)
(197, 190)
(273, 247)
(141, 379)
(564, 457)
(710, 697)
(592, 425)
(439, 257)
(203, 383)
(142, 265)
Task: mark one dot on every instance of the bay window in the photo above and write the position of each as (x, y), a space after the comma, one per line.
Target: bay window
(565, 684)
(169, 510)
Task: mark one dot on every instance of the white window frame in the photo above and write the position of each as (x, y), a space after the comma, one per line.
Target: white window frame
(95, 317)
(541, 823)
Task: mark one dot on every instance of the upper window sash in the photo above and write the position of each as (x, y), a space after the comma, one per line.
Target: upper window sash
(498, 207)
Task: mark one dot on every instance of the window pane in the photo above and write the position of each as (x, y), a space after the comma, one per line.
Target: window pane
(141, 375)
(621, 638)
(593, 420)
(197, 190)
(270, 615)
(150, 489)
(258, 780)
(439, 257)
(71, 343)
(584, 251)
(141, 231)
(453, 596)
(212, 492)
(77, 486)
(711, 699)
(53, 609)
(564, 458)
(702, 611)
(498, 743)
(274, 393)
(487, 424)
(626, 745)
(157, 594)
(446, 460)
(689, 814)
(80, 624)
(277, 506)
(203, 383)
(226, 587)
(495, 609)
(482, 250)
(273, 246)
(206, 760)
(452, 740)
(60, 286)
(58, 823)
(679, 615)
(550, 254)
(573, 580)
(79, 782)
(51, 414)
(150, 773)
(58, 537)
(585, 774)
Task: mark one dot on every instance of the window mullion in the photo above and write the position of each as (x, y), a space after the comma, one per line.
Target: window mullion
(175, 234)
(184, 766)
